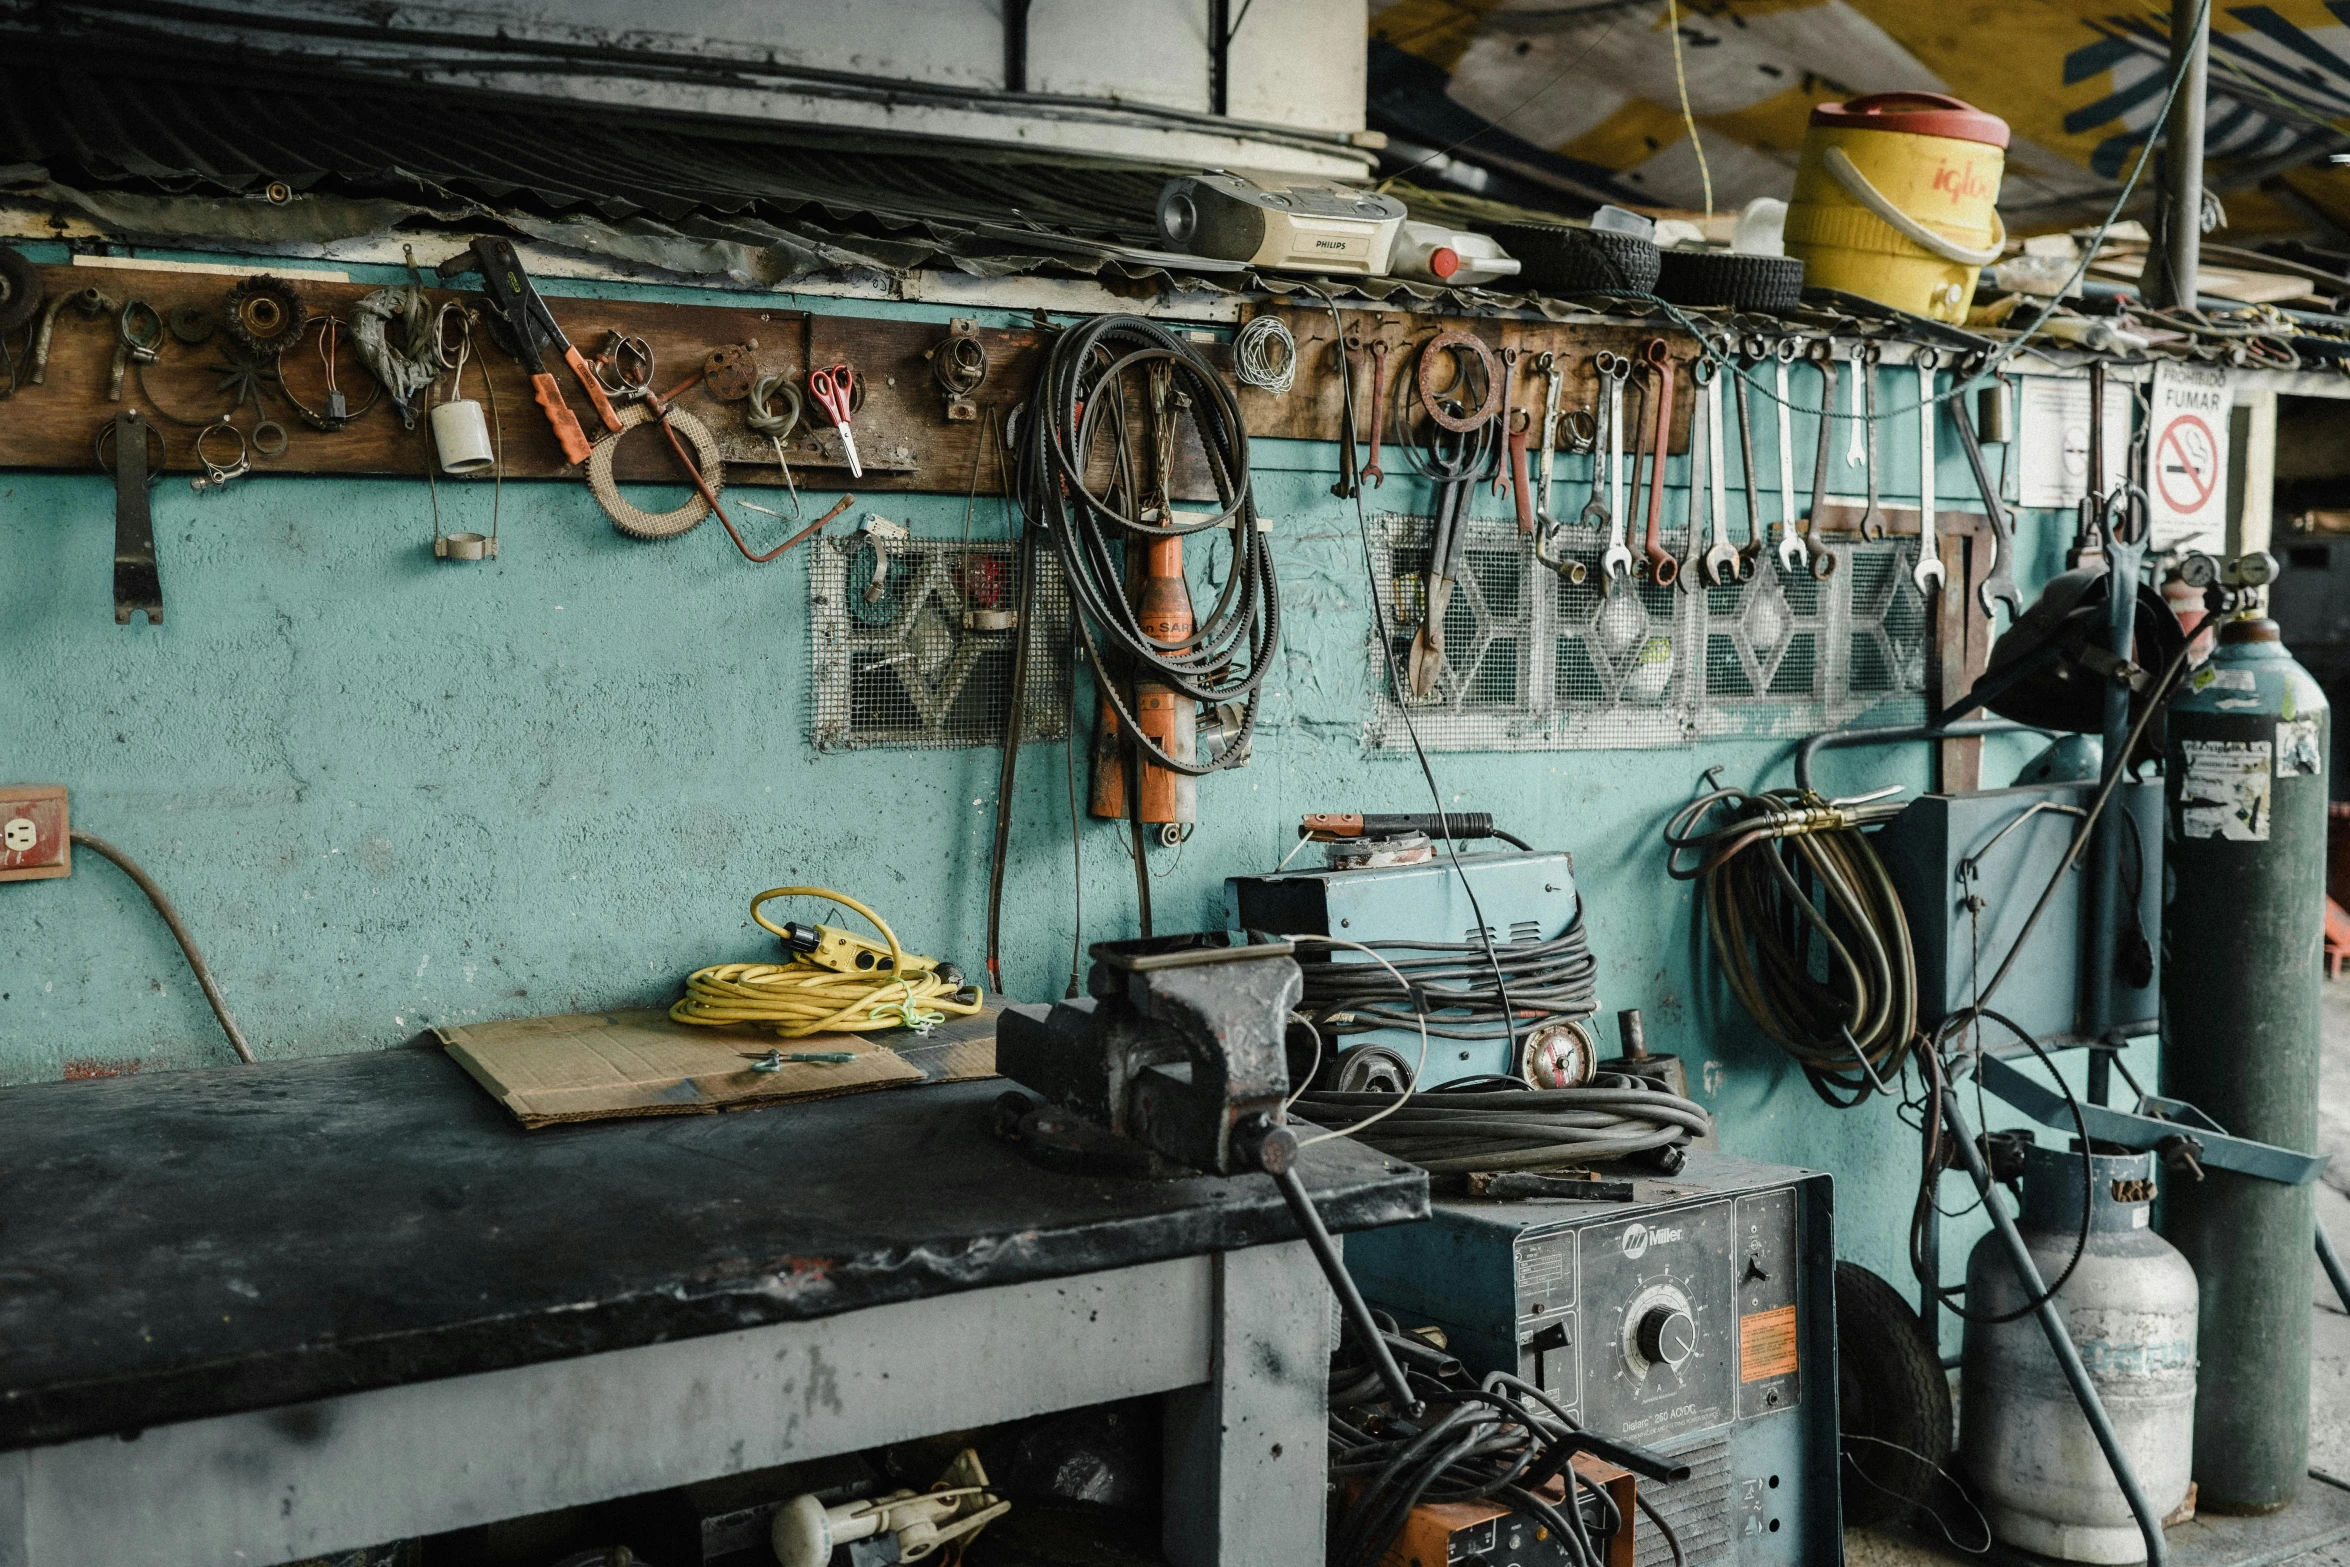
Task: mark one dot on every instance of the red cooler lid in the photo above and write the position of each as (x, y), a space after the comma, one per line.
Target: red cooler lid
(1915, 114)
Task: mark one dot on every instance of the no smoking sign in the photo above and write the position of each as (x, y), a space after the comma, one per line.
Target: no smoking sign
(2189, 463)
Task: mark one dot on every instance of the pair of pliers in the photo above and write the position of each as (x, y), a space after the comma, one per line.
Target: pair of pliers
(531, 331)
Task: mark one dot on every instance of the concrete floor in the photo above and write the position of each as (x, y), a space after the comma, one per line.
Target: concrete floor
(2329, 1372)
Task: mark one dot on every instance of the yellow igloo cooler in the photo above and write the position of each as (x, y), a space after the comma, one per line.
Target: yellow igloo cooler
(1896, 200)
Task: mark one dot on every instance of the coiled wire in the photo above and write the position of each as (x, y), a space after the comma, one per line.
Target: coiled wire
(1264, 355)
(1789, 886)
(1455, 987)
(1078, 401)
(800, 998)
(1504, 1125)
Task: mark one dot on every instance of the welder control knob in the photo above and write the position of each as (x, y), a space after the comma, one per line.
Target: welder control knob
(1668, 1335)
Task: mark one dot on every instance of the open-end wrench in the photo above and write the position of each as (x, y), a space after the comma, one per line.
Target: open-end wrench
(1371, 469)
(1721, 561)
(1608, 447)
(1346, 487)
(1928, 572)
(1823, 559)
(1872, 521)
(1791, 551)
(1705, 396)
(1522, 482)
(1509, 379)
(1657, 354)
(1554, 378)
(1754, 524)
(1998, 584)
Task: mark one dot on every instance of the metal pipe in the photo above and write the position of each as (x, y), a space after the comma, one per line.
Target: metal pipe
(1280, 1162)
(2182, 152)
(2068, 1358)
(1839, 739)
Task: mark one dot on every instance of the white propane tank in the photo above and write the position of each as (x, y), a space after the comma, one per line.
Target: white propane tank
(2130, 1309)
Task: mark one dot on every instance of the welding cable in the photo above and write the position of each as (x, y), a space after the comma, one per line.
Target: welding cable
(803, 997)
(1508, 1126)
(1500, 1440)
(179, 931)
(1787, 881)
(1546, 980)
(1080, 398)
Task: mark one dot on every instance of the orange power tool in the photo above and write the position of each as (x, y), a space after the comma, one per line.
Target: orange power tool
(530, 330)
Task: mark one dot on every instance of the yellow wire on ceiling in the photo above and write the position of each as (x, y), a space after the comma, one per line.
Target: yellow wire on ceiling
(1689, 120)
(805, 997)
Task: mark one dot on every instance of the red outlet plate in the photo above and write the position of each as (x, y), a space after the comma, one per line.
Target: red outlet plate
(33, 841)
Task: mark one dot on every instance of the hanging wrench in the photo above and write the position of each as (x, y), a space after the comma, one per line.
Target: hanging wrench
(1872, 521)
(1509, 379)
(1754, 525)
(1371, 469)
(1662, 568)
(1791, 551)
(1928, 573)
(1692, 574)
(1615, 560)
(1553, 382)
(1823, 559)
(1998, 584)
(1346, 488)
(1721, 561)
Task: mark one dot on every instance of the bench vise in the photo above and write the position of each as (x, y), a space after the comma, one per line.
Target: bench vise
(1173, 1064)
(1177, 1051)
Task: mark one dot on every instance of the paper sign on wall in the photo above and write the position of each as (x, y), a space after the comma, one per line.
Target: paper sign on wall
(2053, 439)
(2187, 458)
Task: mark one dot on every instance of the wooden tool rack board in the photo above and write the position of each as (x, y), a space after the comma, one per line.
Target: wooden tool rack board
(903, 434)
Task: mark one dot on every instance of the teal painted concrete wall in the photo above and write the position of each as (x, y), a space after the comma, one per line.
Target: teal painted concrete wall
(389, 793)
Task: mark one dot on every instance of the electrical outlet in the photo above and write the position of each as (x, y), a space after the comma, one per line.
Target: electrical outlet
(33, 835)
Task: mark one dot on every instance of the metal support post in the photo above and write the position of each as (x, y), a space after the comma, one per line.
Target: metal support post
(2182, 156)
(2068, 1358)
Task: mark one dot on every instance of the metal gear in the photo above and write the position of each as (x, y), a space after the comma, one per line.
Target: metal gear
(266, 315)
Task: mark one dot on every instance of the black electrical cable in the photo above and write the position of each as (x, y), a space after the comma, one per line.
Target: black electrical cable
(1077, 401)
(1507, 1126)
(1395, 683)
(1555, 978)
(179, 932)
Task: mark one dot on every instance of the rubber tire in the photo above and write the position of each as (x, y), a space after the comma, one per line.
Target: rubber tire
(20, 290)
(1770, 284)
(1890, 1387)
(1565, 260)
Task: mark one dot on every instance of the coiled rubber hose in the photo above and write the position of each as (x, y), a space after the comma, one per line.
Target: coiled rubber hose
(1514, 1127)
(1080, 398)
(801, 997)
(1789, 884)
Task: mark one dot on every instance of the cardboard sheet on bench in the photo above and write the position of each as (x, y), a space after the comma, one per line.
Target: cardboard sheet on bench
(599, 1065)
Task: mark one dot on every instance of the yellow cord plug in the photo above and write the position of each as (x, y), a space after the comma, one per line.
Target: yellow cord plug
(813, 995)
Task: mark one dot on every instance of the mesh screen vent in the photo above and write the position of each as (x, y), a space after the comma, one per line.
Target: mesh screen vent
(1534, 663)
(917, 662)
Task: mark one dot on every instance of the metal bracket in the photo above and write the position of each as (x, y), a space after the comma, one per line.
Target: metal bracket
(2156, 1121)
(138, 583)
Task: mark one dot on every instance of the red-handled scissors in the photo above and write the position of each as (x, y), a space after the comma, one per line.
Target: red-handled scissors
(832, 388)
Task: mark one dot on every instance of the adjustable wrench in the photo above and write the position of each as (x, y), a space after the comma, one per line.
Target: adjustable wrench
(1371, 469)
(1872, 520)
(1662, 568)
(1998, 584)
(1791, 550)
(1823, 559)
(1721, 561)
(1928, 573)
(1754, 525)
(1615, 560)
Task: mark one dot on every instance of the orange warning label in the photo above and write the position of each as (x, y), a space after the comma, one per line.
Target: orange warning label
(1766, 1344)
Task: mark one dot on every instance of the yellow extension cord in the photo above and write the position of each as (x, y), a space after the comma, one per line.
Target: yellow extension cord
(801, 998)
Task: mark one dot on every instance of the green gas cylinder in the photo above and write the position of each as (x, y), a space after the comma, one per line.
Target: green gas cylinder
(2243, 938)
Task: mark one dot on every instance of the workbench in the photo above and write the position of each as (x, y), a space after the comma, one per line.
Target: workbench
(259, 1313)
